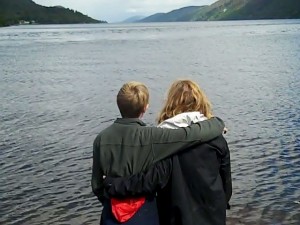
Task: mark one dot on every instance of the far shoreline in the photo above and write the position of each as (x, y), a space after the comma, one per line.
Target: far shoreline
(35, 24)
(105, 22)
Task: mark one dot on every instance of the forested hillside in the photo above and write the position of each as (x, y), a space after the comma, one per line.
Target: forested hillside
(250, 9)
(14, 11)
(233, 10)
(182, 14)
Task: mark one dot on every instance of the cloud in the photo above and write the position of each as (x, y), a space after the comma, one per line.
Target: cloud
(117, 10)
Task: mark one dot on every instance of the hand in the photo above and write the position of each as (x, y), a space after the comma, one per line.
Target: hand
(225, 130)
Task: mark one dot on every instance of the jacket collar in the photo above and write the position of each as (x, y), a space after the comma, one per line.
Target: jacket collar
(182, 120)
(130, 121)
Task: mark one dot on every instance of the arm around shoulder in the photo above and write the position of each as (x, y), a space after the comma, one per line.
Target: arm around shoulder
(143, 183)
(167, 142)
(210, 129)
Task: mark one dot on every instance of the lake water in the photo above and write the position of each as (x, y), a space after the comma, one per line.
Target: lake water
(58, 85)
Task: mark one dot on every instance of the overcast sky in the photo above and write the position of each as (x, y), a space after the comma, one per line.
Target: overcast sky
(118, 10)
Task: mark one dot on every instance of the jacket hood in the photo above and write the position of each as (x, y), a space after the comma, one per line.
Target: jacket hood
(182, 120)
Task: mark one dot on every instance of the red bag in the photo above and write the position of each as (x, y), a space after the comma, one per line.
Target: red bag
(124, 209)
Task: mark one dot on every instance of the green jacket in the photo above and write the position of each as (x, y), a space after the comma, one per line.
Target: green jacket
(128, 146)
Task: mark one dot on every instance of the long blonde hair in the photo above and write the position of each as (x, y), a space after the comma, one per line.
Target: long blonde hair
(185, 96)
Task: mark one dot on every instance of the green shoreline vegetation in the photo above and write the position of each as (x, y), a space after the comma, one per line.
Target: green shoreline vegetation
(14, 12)
(232, 10)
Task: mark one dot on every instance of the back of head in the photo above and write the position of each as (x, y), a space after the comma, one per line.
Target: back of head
(185, 96)
(132, 99)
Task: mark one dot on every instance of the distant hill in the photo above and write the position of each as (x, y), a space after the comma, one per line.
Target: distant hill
(250, 9)
(153, 18)
(14, 11)
(133, 19)
(182, 14)
(232, 10)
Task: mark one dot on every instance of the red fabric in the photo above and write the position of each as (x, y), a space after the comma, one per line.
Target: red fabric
(124, 209)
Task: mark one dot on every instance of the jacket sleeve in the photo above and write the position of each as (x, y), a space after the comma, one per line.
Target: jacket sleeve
(225, 172)
(167, 142)
(143, 183)
(97, 174)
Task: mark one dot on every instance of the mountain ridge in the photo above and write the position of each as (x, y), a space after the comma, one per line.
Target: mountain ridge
(176, 15)
(232, 10)
(133, 19)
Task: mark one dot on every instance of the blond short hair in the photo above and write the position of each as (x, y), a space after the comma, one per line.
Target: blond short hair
(185, 96)
(132, 99)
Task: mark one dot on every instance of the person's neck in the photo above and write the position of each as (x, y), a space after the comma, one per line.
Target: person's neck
(134, 118)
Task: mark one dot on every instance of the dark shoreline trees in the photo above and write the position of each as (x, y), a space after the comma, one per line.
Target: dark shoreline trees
(14, 11)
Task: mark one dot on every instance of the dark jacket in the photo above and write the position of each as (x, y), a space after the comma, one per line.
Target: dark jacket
(198, 191)
(128, 147)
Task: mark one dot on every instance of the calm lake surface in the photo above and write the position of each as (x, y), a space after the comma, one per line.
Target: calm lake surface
(58, 85)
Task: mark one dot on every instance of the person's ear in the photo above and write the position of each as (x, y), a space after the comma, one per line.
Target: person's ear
(144, 110)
